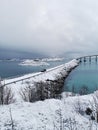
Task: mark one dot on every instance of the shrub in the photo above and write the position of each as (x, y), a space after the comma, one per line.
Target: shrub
(6, 95)
(88, 111)
(28, 94)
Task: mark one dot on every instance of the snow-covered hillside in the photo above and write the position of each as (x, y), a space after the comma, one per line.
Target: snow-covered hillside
(51, 114)
(67, 113)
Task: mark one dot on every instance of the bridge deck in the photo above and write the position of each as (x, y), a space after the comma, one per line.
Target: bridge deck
(86, 56)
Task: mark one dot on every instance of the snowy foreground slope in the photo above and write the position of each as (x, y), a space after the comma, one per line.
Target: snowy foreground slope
(48, 115)
(51, 114)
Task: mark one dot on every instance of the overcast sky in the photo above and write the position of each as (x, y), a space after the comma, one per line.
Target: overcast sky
(49, 26)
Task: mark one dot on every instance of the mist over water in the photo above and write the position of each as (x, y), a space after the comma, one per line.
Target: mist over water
(9, 54)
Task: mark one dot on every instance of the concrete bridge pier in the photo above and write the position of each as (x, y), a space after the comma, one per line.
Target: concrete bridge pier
(89, 58)
(84, 59)
(80, 59)
(96, 58)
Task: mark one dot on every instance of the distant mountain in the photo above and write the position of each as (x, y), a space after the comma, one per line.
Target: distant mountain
(9, 54)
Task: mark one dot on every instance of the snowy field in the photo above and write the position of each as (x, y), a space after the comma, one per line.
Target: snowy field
(51, 114)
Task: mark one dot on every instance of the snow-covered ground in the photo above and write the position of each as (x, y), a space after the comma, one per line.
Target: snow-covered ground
(51, 114)
(53, 59)
(39, 62)
(33, 63)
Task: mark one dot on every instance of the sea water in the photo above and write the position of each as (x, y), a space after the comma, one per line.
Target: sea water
(85, 76)
(11, 69)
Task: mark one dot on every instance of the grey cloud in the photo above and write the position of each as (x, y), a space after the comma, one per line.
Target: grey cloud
(49, 26)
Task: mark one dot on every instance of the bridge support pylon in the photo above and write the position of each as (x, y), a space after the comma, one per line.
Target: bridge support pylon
(89, 58)
(84, 59)
(96, 58)
(80, 60)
